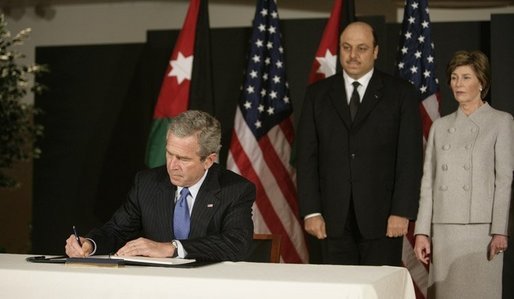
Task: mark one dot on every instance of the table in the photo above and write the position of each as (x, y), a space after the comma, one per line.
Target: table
(21, 279)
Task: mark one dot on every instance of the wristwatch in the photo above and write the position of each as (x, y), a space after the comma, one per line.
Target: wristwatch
(175, 245)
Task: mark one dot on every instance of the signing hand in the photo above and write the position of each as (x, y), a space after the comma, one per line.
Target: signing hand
(145, 247)
(316, 226)
(397, 226)
(73, 248)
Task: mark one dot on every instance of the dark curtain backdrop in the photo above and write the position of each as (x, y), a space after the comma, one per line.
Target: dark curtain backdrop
(99, 107)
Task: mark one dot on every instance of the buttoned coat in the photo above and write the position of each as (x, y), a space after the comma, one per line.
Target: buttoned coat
(376, 160)
(221, 219)
(467, 175)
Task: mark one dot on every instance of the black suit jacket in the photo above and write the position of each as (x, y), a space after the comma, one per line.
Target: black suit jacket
(377, 159)
(221, 220)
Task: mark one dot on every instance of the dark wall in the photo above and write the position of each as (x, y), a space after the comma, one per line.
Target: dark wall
(100, 102)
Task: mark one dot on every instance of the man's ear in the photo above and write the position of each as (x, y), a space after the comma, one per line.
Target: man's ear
(209, 160)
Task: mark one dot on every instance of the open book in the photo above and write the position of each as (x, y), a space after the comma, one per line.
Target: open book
(147, 260)
(129, 260)
(115, 261)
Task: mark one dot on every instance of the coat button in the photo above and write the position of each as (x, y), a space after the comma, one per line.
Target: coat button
(446, 147)
(466, 166)
(469, 146)
(353, 156)
(444, 167)
(443, 188)
(465, 187)
(452, 130)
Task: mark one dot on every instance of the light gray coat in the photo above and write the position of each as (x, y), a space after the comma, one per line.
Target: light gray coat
(467, 175)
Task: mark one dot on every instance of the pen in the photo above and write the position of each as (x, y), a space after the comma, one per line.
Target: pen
(77, 235)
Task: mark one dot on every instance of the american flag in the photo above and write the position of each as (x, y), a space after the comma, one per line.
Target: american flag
(416, 64)
(263, 132)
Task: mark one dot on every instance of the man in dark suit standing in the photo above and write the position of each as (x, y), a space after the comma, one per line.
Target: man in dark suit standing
(189, 208)
(359, 157)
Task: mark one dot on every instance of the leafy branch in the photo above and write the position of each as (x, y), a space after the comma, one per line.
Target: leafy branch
(18, 132)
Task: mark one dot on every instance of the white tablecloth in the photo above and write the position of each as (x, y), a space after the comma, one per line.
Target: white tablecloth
(21, 279)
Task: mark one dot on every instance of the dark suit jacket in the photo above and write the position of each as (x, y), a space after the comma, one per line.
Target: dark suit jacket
(221, 220)
(377, 160)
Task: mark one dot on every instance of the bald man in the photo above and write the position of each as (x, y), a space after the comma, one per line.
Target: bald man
(359, 157)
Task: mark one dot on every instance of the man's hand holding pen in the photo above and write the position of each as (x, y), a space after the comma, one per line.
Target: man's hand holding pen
(77, 246)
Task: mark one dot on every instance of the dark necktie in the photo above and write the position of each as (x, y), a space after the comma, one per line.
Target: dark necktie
(181, 218)
(354, 100)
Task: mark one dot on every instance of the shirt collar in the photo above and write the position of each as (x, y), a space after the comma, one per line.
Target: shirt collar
(194, 189)
(364, 80)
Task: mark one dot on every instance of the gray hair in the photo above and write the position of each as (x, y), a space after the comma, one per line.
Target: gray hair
(206, 128)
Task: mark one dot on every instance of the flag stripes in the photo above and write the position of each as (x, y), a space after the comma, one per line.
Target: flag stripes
(416, 64)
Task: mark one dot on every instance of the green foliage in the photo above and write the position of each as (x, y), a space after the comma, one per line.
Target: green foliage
(17, 128)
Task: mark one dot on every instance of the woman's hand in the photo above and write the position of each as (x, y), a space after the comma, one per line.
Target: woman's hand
(422, 248)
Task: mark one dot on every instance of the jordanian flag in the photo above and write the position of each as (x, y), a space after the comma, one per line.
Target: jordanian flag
(187, 82)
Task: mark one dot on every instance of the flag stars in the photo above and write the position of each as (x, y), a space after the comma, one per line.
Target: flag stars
(413, 69)
(250, 89)
(408, 35)
(421, 39)
(260, 108)
(264, 12)
(412, 20)
(274, 15)
(273, 95)
(256, 58)
(405, 50)
(253, 74)
(276, 79)
(262, 28)
(259, 43)
(423, 89)
(417, 54)
(426, 74)
(248, 105)
(258, 124)
(271, 110)
(286, 99)
(263, 92)
(272, 29)
(267, 61)
(401, 65)
(269, 45)
(265, 76)
(279, 64)
(415, 5)
(430, 59)
(425, 24)
(281, 50)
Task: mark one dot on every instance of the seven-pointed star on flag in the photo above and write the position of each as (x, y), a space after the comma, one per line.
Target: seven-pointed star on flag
(327, 64)
(181, 67)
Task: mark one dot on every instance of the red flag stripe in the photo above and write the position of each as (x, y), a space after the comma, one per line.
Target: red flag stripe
(289, 253)
(174, 96)
(329, 42)
(270, 190)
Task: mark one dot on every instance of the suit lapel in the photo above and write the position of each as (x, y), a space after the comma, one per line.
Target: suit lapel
(371, 98)
(205, 203)
(338, 98)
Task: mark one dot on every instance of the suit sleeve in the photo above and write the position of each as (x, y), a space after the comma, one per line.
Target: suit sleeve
(424, 219)
(124, 225)
(307, 159)
(503, 166)
(409, 159)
